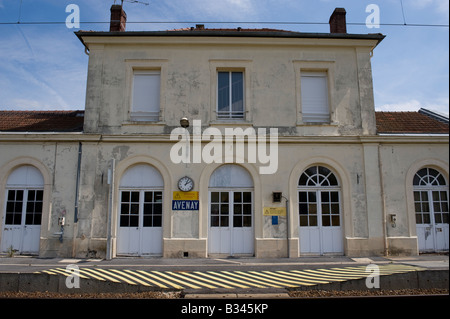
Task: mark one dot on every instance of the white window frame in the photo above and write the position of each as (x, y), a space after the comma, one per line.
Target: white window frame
(233, 65)
(146, 116)
(301, 66)
(133, 65)
(230, 114)
(322, 114)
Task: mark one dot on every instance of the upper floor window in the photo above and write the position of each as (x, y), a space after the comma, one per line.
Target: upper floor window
(314, 97)
(146, 95)
(230, 95)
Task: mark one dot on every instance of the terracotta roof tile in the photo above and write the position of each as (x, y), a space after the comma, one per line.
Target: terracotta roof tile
(41, 121)
(72, 121)
(409, 123)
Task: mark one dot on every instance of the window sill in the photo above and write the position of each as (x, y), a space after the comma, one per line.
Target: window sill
(231, 122)
(160, 123)
(334, 124)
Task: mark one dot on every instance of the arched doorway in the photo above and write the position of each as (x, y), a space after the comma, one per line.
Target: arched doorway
(23, 210)
(319, 207)
(140, 211)
(231, 218)
(431, 208)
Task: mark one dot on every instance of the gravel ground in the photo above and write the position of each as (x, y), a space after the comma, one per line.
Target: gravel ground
(372, 292)
(53, 295)
(177, 295)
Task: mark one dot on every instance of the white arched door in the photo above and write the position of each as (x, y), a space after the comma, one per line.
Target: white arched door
(23, 211)
(431, 206)
(140, 212)
(319, 208)
(231, 211)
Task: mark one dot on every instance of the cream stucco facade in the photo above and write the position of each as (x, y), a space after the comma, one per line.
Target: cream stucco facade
(374, 172)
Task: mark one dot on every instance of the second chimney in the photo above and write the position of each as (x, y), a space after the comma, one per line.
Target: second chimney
(118, 18)
(338, 23)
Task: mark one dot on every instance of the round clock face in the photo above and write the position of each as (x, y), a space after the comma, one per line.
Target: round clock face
(185, 184)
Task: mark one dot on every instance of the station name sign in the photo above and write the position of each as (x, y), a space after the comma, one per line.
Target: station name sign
(185, 201)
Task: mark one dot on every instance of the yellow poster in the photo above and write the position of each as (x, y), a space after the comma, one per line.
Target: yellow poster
(185, 195)
(274, 211)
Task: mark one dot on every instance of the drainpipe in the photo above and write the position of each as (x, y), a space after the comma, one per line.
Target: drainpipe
(386, 243)
(287, 226)
(111, 173)
(80, 151)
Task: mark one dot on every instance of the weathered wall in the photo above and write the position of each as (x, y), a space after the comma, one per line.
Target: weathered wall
(272, 82)
(367, 197)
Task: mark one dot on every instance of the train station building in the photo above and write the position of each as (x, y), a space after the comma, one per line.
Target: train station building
(207, 143)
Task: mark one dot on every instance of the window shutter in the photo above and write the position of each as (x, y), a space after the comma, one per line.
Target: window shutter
(146, 96)
(314, 96)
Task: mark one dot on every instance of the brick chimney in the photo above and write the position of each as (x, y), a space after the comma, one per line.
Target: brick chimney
(338, 23)
(118, 18)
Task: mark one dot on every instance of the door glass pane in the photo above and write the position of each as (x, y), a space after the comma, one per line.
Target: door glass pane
(326, 220)
(247, 221)
(224, 209)
(214, 197)
(14, 206)
(219, 209)
(224, 197)
(34, 208)
(129, 209)
(224, 221)
(152, 209)
(335, 220)
(215, 221)
(237, 221)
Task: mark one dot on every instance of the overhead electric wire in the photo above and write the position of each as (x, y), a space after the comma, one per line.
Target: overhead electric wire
(227, 22)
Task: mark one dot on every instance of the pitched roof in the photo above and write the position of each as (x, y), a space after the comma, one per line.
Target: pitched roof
(72, 121)
(409, 123)
(41, 121)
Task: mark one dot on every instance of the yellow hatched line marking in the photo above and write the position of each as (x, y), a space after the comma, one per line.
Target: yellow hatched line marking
(56, 271)
(285, 278)
(138, 274)
(227, 274)
(187, 279)
(64, 272)
(305, 277)
(295, 278)
(270, 279)
(331, 275)
(50, 272)
(109, 272)
(91, 275)
(160, 279)
(200, 277)
(132, 277)
(177, 280)
(343, 274)
(94, 273)
(229, 282)
(318, 275)
(186, 275)
(269, 282)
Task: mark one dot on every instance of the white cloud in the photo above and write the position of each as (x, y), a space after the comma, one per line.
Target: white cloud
(440, 106)
(412, 105)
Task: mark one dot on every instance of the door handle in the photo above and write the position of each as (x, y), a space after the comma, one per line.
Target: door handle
(438, 229)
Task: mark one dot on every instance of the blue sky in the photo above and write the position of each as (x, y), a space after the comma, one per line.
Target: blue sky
(44, 67)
